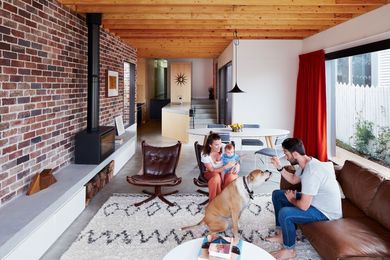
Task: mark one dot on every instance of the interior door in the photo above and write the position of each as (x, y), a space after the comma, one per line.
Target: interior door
(224, 104)
(228, 86)
(221, 92)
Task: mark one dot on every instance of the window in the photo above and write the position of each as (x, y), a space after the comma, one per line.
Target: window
(355, 69)
(358, 93)
(343, 70)
(361, 69)
(126, 93)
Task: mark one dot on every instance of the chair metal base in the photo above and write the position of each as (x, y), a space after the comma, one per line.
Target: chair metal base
(157, 193)
(204, 193)
(204, 202)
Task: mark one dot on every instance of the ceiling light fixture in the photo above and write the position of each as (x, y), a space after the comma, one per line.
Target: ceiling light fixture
(236, 42)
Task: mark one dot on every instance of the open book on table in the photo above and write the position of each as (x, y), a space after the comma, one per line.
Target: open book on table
(210, 251)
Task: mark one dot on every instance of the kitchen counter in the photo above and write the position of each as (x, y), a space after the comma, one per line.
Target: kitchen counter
(175, 121)
(178, 108)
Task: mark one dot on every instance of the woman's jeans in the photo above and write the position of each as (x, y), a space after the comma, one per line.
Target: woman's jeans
(287, 216)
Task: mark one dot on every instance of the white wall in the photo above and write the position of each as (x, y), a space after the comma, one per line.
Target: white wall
(267, 72)
(226, 56)
(369, 27)
(202, 76)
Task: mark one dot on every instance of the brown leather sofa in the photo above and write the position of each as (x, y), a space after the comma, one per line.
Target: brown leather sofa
(364, 230)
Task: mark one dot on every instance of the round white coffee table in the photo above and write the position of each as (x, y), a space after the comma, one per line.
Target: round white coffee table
(189, 251)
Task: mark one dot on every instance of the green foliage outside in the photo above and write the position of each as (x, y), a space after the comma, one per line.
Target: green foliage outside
(366, 143)
(382, 148)
(363, 135)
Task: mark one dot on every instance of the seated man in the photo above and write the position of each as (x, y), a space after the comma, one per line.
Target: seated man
(319, 200)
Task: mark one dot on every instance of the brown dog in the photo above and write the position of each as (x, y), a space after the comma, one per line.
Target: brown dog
(231, 202)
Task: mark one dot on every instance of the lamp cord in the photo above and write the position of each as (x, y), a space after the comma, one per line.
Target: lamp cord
(236, 42)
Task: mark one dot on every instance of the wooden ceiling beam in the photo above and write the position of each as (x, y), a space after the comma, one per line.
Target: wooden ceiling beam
(224, 16)
(221, 2)
(214, 26)
(155, 54)
(220, 22)
(225, 34)
(178, 42)
(203, 28)
(232, 9)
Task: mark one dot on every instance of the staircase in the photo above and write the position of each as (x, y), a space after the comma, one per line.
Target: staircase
(205, 113)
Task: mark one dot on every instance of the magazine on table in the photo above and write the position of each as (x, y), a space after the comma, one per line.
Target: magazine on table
(221, 247)
(235, 249)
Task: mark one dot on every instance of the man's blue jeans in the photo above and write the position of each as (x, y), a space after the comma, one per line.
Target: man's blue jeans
(287, 216)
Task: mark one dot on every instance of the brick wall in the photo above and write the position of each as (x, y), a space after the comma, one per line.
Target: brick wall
(43, 88)
(113, 53)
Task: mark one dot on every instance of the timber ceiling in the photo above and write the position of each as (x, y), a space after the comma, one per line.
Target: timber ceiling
(203, 28)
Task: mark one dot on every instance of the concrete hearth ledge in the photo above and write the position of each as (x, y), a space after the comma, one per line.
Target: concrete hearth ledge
(22, 217)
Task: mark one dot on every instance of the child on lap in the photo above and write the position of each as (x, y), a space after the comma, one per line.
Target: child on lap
(229, 155)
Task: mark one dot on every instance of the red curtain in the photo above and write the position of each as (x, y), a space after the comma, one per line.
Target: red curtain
(310, 110)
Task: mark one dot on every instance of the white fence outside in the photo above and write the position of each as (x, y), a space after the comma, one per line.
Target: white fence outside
(371, 103)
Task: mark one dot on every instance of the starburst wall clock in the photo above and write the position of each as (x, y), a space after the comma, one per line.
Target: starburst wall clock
(181, 79)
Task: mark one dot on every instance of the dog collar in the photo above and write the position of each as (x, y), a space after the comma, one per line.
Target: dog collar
(250, 193)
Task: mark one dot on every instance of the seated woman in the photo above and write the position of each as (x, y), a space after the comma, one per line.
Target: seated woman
(211, 158)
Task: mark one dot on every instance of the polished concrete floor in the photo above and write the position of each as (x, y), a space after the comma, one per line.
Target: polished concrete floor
(187, 169)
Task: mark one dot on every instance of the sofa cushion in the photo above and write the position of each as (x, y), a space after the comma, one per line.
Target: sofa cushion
(350, 210)
(348, 237)
(380, 206)
(359, 184)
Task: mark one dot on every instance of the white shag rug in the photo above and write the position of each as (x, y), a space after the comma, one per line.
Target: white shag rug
(122, 231)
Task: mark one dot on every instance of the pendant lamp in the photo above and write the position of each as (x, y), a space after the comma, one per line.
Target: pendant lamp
(236, 42)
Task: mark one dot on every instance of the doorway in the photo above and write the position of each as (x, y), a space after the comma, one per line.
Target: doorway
(224, 102)
(129, 93)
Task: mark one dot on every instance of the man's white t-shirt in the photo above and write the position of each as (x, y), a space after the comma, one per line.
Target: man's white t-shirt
(319, 180)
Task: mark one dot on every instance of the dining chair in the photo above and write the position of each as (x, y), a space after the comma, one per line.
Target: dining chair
(251, 141)
(216, 126)
(270, 152)
(225, 137)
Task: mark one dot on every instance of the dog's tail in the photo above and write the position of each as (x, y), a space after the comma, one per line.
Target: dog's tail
(188, 227)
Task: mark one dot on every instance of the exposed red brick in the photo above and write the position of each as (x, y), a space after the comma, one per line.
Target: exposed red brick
(28, 135)
(9, 132)
(9, 7)
(4, 192)
(15, 155)
(4, 126)
(8, 181)
(43, 77)
(3, 175)
(8, 197)
(24, 144)
(9, 149)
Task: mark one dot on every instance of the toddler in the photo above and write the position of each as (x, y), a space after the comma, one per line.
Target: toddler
(229, 155)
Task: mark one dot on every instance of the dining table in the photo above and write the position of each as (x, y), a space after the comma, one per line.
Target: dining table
(244, 133)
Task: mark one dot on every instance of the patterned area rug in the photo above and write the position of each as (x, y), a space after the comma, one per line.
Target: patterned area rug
(122, 231)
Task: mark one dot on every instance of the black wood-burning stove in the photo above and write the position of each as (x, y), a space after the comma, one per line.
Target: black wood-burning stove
(95, 143)
(94, 147)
